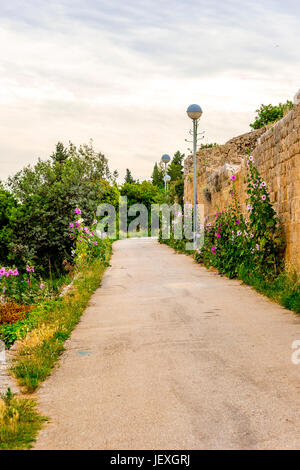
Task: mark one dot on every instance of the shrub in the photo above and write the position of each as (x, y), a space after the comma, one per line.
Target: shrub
(267, 114)
(11, 312)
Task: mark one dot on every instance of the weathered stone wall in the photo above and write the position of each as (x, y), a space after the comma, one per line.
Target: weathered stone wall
(277, 156)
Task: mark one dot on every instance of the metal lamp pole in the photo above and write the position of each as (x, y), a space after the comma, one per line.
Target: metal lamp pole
(165, 159)
(194, 112)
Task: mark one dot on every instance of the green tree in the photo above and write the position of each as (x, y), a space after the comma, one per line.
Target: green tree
(267, 114)
(128, 177)
(158, 175)
(7, 203)
(47, 195)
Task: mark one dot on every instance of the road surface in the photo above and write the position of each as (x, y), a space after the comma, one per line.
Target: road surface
(171, 356)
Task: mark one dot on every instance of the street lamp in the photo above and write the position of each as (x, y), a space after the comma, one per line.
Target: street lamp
(194, 112)
(167, 180)
(165, 159)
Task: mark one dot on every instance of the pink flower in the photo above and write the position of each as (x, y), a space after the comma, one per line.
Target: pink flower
(71, 225)
(15, 272)
(251, 158)
(95, 243)
(4, 289)
(251, 235)
(77, 211)
(249, 208)
(257, 247)
(95, 221)
(218, 235)
(264, 197)
(42, 286)
(214, 249)
(2, 271)
(27, 268)
(233, 178)
(237, 222)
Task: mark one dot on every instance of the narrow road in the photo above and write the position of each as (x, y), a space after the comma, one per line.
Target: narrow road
(171, 356)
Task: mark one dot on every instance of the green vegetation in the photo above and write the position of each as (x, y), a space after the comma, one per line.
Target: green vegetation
(38, 203)
(268, 114)
(53, 323)
(247, 247)
(19, 422)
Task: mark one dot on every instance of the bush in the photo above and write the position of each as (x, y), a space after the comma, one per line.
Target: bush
(47, 195)
(267, 114)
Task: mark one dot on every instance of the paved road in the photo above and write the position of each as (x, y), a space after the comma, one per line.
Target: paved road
(171, 356)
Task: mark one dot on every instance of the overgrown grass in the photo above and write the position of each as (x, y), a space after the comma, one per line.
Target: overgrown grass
(284, 289)
(19, 422)
(41, 348)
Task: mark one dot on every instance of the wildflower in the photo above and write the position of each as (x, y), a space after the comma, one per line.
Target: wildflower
(42, 286)
(2, 271)
(237, 222)
(4, 289)
(239, 233)
(233, 178)
(208, 224)
(251, 235)
(257, 247)
(77, 211)
(32, 269)
(249, 207)
(214, 249)
(263, 184)
(15, 272)
(86, 230)
(27, 268)
(71, 225)
(95, 243)
(95, 221)
(218, 235)
(251, 158)
(264, 197)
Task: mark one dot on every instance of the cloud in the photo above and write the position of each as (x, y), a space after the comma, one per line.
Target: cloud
(123, 73)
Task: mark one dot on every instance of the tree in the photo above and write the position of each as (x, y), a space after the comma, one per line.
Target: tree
(175, 168)
(128, 177)
(47, 195)
(267, 114)
(158, 175)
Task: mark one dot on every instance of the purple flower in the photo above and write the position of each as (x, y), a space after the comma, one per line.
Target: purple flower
(233, 178)
(218, 235)
(77, 211)
(214, 249)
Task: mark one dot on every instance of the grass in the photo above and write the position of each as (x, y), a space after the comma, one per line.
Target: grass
(19, 422)
(283, 289)
(40, 349)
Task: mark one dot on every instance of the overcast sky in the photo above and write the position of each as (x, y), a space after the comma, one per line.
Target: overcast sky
(124, 71)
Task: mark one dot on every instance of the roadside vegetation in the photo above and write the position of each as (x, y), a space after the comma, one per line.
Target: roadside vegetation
(247, 247)
(268, 114)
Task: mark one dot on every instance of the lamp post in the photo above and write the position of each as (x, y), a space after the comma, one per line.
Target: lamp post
(167, 180)
(194, 112)
(165, 159)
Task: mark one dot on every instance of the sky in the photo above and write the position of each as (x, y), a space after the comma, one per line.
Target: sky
(123, 72)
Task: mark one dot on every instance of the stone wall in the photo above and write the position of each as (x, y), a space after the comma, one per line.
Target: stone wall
(277, 156)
